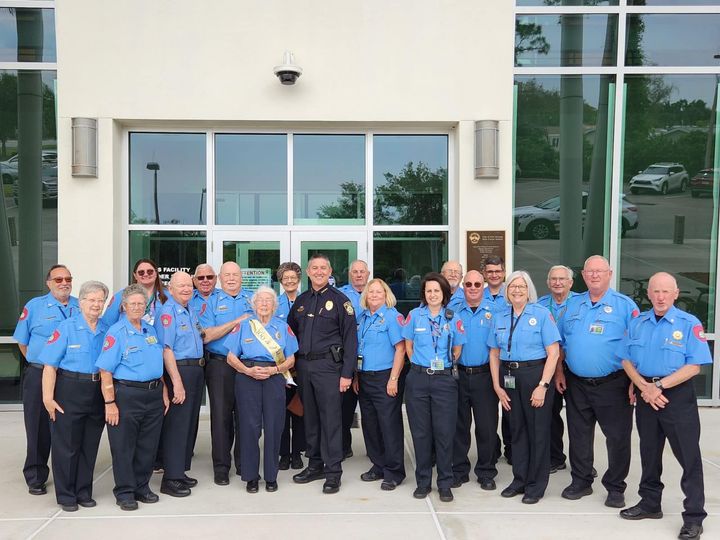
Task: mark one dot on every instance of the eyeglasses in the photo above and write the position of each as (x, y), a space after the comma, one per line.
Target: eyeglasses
(149, 272)
(595, 272)
(136, 305)
(558, 279)
(59, 280)
(476, 284)
(204, 278)
(452, 272)
(93, 300)
(494, 271)
(517, 287)
(289, 280)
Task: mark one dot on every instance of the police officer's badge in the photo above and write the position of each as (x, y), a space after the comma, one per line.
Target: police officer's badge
(301, 309)
(677, 335)
(329, 305)
(607, 309)
(277, 335)
(532, 321)
(488, 315)
(348, 308)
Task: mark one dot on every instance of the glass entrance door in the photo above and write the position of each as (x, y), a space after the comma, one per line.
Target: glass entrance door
(341, 248)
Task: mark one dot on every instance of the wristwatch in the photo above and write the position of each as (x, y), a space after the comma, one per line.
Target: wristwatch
(544, 384)
(658, 383)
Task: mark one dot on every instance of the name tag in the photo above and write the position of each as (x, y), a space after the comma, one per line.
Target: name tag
(598, 329)
(74, 346)
(248, 340)
(184, 327)
(222, 308)
(509, 382)
(420, 329)
(151, 340)
(677, 344)
(437, 364)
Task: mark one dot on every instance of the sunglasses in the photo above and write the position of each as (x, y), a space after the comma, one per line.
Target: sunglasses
(476, 284)
(204, 278)
(59, 280)
(149, 272)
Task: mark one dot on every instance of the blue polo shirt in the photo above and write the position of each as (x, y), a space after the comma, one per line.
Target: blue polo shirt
(112, 311)
(660, 348)
(131, 354)
(198, 303)
(534, 330)
(74, 346)
(378, 334)
(556, 310)
(426, 347)
(223, 308)
(477, 329)
(592, 333)
(39, 318)
(177, 328)
(243, 343)
(284, 305)
(496, 303)
(354, 297)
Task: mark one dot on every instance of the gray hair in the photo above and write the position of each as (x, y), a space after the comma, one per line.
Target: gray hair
(90, 287)
(522, 274)
(264, 289)
(567, 269)
(130, 290)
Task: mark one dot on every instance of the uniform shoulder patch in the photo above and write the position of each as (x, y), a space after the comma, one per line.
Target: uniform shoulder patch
(401, 319)
(55, 336)
(235, 329)
(699, 333)
(291, 332)
(24, 314)
(407, 319)
(108, 343)
(460, 327)
(635, 313)
(349, 308)
(166, 319)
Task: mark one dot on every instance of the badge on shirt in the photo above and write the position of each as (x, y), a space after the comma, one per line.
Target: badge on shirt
(348, 308)
(598, 329)
(277, 335)
(677, 335)
(151, 340)
(301, 309)
(607, 309)
(488, 315)
(532, 321)
(329, 305)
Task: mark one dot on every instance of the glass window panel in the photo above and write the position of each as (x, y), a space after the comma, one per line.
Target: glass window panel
(673, 40)
(703, 380)
(566, 2)
(564, 132)
(257, 260)
(410, 179)
(329, 179)
(171, 250)
(401, 259)
(670, 174)
(28, 204)
(566, 40)
(27, 35)
(167, 178)
(10, 374)
(673, 2)
(251, 179)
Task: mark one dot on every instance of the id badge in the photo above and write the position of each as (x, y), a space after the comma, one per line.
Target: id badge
(151, 340)
(437, 364)
(509, 381)
(597, 329)
(359, 362)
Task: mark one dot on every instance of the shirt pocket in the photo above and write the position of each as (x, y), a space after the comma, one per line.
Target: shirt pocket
(571, 324)
(674, 352)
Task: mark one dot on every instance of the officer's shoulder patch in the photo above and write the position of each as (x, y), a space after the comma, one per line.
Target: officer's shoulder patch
(24, 314)
(235, 329)
(349, 308)
(401, 319)
(408, 318)
(108, 343)
(460, 326)
(55, 336)
(290, 331)
(635, 313)
(166, 319)
(699, 333)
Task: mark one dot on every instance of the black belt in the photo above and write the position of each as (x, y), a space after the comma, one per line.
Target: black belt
(191, 362)
(36, 365)
(519, 365)
(215, 356)
(472, 370)
(260, 363)
(652, 379)
(597, 381)
(145, 385)
(315, 356)
(94, 377)
(430, 371)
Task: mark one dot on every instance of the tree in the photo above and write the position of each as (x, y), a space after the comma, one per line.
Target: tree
(416, 195)
(8, 110)
(350, 204)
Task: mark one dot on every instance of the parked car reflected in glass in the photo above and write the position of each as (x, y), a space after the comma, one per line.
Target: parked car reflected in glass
(702, 182)
(660, 178)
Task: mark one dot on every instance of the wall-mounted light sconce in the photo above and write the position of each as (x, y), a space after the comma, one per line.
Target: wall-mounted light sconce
(84, 147)
(487, 160)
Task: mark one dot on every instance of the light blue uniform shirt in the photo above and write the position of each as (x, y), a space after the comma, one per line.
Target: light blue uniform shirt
(243, 343)
(496, 303)
(354, 296)
(477, 329)
(534, 330)
(178, 330)
(284, 305)
(131, 354)
(426, 348)
(457, 298)
(223, 308)
(73, 346)
(112, 311)
(660, 348)
(591, 334)
(556, 310)
(39, 318)
(198, 303)
(378, 334)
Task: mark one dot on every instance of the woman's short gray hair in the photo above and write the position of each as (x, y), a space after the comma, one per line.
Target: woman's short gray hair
(264, 289)
(130, 290)
(522, 274)
(90, 287)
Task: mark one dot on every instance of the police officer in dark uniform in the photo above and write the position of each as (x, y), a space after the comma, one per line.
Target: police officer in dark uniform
(38, 320)
(131, 368)
(662, 352)
(324, 321)
(179, 333)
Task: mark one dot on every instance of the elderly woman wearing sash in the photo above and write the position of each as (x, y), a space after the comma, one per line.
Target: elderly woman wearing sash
(262, 350)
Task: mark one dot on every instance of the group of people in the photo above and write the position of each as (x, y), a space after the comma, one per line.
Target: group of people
(293, 368)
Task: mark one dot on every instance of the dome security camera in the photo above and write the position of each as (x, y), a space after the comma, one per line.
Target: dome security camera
(288, 72)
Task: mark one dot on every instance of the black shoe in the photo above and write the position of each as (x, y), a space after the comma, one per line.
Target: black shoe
(308, 475)
(128, 506)
(421, 492)
(147, 498)
(511, 491)
(284, 463)
(189, 482)
(615, 499)
(252, 486)
(556, 468)
(88, 503)
(271, 487)
(488, 484)
(222, 478)
(458, 482)
(297, 463)
(370, 476)
(636, 512)
(331, 486)
(174, 488)
(39, 489)
(347, 454)
(690, 531)
(69, 507)
(445, 494)
(574, 492)
(388, 485)
(529, 499)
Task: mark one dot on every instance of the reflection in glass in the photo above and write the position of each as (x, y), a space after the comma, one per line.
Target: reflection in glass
(410, 179)
(670, 169)
(401, 259)
(566, 40)
(673, 40)
(263, 258)
(171, 250)
(673, 2)
(11, 363)
(341, 254)
(703, 380)
(566, 2)
(251, 179)
(27, 35)
(167, 178)
(329, 179)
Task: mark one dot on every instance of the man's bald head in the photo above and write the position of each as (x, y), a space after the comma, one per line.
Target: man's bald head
(662, 292)
(181, 287)
(231, 278)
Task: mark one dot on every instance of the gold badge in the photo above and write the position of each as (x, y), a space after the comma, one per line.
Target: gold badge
(301, 309)
(329, 305)
(677, 335)
(348, 307)
(488, 315)
(277, 335)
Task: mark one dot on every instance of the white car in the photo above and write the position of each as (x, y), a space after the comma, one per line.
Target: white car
(660, 178)
(9, 167)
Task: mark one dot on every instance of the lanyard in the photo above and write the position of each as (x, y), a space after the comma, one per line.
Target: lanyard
(513, 324)
(435, 331)
(367, 327)
(62, 311)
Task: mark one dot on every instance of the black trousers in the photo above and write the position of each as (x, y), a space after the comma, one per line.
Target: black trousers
(679, 424)
(557, 428)
(37, 428)
(322, 402)
(478, 400)
(530, 428)
(220, 380)
(606, 404)
(382, 425)
(431, 402)
(506, 435)
(76, 438)
(178, 431)
(261, 408)
(134, 441)
(349, 404)
(293, 436)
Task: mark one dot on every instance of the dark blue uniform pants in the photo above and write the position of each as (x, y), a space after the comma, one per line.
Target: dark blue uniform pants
(349, 404)
(322, 402)
(293, 436)
(431, 402)
(679, 423)
(261, 407)
(478, 400)
(220, 379)
(382, 425)
(76, 438)
(178, 431)
(557, 455)
(134, 441)
(37, 428)
(607, 404)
